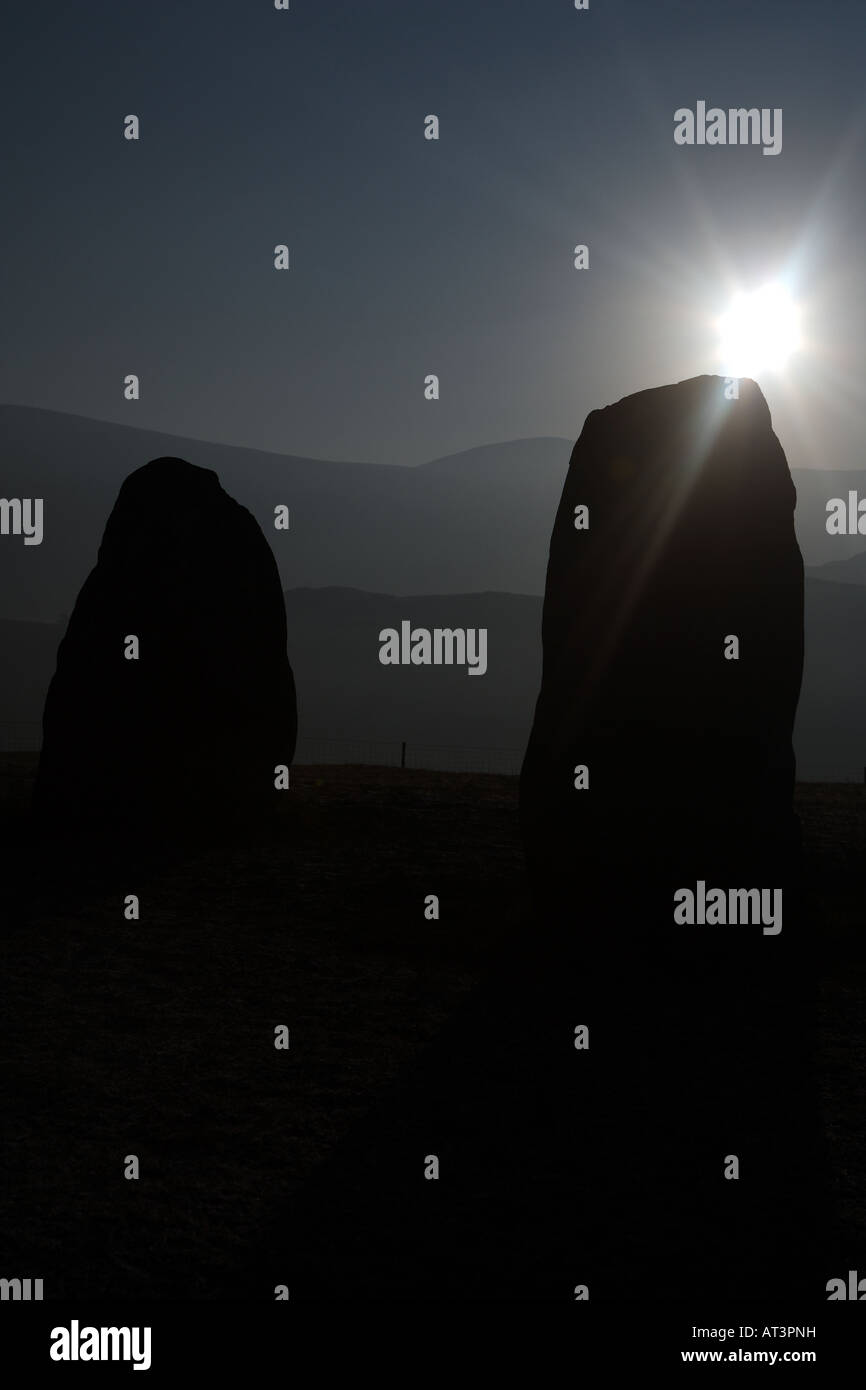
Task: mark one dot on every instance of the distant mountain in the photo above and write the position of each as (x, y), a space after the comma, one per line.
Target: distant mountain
(475, 521)
(815, 487)
(830, 732)
(850, 571)
(467, 536)
(353, 709)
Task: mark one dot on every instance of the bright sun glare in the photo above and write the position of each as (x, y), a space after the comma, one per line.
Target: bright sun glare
(759, 332)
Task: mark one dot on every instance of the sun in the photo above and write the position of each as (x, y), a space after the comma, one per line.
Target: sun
(759, 332)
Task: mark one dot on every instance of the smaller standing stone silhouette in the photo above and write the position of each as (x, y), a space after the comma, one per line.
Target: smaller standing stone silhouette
(188, 735)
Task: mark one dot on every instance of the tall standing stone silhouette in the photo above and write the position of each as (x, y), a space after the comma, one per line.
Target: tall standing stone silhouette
(689, 541)
(188, 735)
(661, 757)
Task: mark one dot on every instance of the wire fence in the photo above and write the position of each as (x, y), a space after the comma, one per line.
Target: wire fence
(22, 736)
(25, 736)
(432, 757)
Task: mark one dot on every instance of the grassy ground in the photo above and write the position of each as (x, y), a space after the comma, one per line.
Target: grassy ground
(155, 1037)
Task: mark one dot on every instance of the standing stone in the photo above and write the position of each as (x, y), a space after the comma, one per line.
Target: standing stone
(186, 737)
(702, 1035)
(690, 540)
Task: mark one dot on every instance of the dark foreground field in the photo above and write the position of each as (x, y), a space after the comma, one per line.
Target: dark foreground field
(306, 1167)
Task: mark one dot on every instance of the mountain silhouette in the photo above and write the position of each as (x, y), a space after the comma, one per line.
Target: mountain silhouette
(849, 571)
(474, 521)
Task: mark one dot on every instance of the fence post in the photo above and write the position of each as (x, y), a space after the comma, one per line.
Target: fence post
(403, 753)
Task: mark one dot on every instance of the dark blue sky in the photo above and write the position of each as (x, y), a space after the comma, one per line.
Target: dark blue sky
(411, 256)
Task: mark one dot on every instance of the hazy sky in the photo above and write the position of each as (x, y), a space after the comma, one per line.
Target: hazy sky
(411, 256)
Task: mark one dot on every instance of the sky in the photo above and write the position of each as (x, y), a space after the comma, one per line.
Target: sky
(409, 256)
